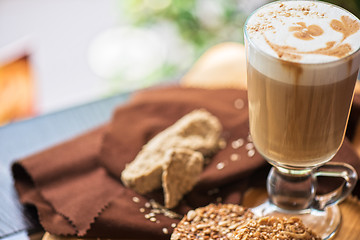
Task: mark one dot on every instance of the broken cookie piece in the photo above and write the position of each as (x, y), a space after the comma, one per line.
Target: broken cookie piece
(180, 174)
(197, 131)
(275, 228)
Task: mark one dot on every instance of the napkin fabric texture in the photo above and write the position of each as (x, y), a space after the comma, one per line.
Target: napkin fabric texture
(76, 188)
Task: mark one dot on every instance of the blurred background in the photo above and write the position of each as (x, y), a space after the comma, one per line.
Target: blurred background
(56, 54)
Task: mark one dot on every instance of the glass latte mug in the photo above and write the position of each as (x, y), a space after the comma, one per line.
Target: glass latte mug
(302, 63)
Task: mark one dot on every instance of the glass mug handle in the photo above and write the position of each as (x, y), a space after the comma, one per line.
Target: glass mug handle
(335, 169)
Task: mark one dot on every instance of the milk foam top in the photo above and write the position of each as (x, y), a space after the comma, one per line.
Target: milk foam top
(305, 32)
(300, 31)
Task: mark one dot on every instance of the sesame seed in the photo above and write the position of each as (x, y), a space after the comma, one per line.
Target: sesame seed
(165, 230)
(234, 157)
(142, 210)
(147, 205)
(249, 138)
(220, 165)
(191, 215)
(173, 225)
(249, 146)
(222, 143)
(156, 211)
(201, 226)
(251, 153)
(136, 199)
(153, 219)
(239, 103)
(237, 143)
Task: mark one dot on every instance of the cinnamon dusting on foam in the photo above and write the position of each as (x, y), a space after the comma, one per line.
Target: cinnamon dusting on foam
(332, 49)
(291, 53)
(282, 12)
(302, 31)
(283, 51)
(347, 26)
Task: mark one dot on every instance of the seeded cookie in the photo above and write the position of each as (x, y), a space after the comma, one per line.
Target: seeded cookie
(215, 221)
(275, 228)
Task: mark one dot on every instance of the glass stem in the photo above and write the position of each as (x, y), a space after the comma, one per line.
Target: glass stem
(291, 190)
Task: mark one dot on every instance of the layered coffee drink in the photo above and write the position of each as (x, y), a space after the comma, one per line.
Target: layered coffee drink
(303, 63)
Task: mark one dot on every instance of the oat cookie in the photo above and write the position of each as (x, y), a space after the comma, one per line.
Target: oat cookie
(180, 174)
(267, 228)
(212, 222)
(198, 131)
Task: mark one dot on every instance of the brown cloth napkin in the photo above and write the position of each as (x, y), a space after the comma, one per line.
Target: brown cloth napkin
(76, 189)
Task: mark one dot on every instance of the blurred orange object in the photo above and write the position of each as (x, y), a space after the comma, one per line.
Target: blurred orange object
(16, 90)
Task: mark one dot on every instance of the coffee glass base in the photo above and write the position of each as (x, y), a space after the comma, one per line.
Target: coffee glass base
(324, 223)
(293, 193)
